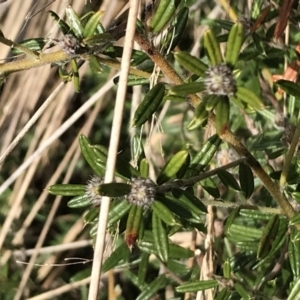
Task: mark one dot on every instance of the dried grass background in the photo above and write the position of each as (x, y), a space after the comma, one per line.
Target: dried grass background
(27, 213)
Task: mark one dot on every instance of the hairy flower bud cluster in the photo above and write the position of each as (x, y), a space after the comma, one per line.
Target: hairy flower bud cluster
(69, 44)
(219, 80)
(91, 190)
(288, 129)
(142, 192)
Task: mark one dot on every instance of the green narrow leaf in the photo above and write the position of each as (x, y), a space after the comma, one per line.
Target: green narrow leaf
(240, 260)
(174, 98)
(144, 168)
(92, 215)
(222, 115)
(137, 56)
(165, 11)
(125, 170)
(234, 44)
(152, 288)
(190, 200)
(133, 225)
(256, 9)
(242, 105)
(294, 253)
(180, 174)
(94, 229)
(75, 75)
(212, 48)
(248, 246)
(227, 269)
(64, 74)
(64, 27)
(101, 41)
(242, 291)
(134, 279)
(197, 286)
(149, 105)
(96, 156)
(255, 214)
(91, 25)
(74, 22)
(95, 65)
(230, 219)
(137, 150)
(246, 180)
(267, 238)
(212, 101)
(178, 268)
(245, 233)
(205, 155)
(188, 88)
(228, 179)
(224, 294)
(191, 63)
(180, 208)
(279, 240)
(295, 292)
(121, 254)
(117, 212)
(177, 29)
(295, 219)
(92, 154)
(134, 80)
(114, 189)
(172, 166)
(100, 151)
(200, 117)
(79, 201)
(36, 44)
(249, 98)
(143, 268)
(210, 186)
(141, 229)
(160, 238)
(67, 189)
(164, 213)
(289, 87)
(250, 52)
(292, 250)
(175, 251)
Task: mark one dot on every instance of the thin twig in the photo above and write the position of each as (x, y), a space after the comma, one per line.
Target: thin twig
(173, 275)
(113, 148)
(264, 209)
(161, 62)
(270, 185)
(191, 181)
(37, 60)
(289, 157)
(29, 63)
(117, 65)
